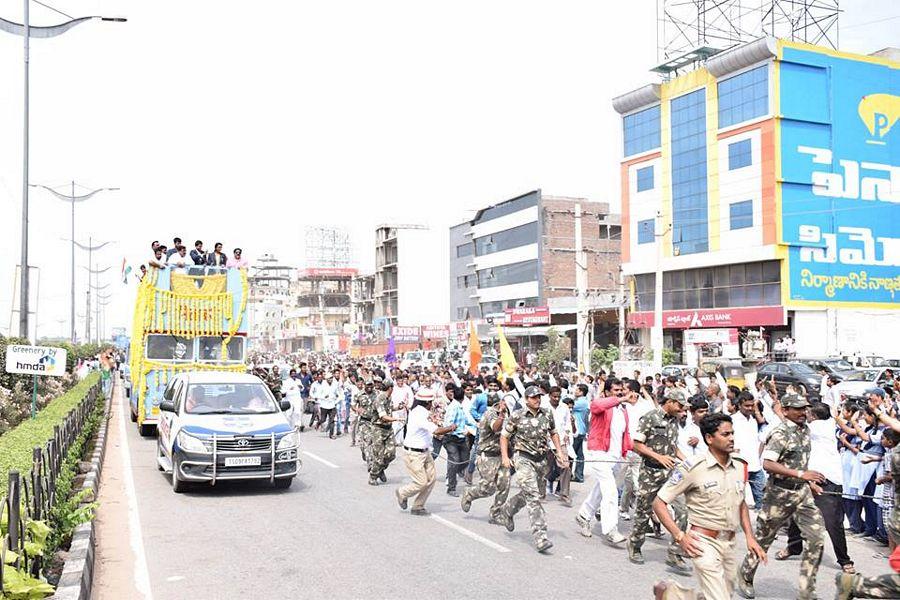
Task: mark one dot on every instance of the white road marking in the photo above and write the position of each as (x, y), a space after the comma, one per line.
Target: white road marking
(174, 578)
(321, 460)
(470, 534)
(141, 574)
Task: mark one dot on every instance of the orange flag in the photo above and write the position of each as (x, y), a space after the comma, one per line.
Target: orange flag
(474, 349)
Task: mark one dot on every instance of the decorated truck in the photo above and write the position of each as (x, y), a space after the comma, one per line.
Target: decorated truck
(185, 320)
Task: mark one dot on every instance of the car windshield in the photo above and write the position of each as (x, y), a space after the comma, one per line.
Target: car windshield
(839, 364)
(489, 359)
(229, 399)
(867, 375)
(413, 356)
(802, 369)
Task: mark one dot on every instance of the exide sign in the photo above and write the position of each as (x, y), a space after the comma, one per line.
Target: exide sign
(752, 316)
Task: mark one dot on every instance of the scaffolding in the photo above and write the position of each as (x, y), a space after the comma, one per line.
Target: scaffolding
(684, 26)
(327, 248)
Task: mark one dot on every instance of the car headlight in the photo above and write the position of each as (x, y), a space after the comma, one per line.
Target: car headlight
(190, 443)
(289, 441)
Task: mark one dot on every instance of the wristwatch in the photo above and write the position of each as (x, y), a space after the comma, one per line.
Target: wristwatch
(679, 536)
(800, 474)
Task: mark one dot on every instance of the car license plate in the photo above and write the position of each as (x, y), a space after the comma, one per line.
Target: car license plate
(243, 461)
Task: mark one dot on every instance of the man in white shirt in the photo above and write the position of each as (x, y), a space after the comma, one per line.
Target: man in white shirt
(179, 258)
(401, 401)
(747, 422)
(562, 419)
(328, 402)
(420, 432)
(636, 405)
(690, 439)
(825, 459)
(317, 391)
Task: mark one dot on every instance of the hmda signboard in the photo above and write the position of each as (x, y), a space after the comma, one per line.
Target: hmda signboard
(35, 360)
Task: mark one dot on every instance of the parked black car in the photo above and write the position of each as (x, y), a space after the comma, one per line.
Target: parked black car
(838, 367)
(798, 374)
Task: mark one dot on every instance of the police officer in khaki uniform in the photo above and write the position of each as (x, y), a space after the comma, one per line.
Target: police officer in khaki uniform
(713, 487)
(789, 493)
(529, 428)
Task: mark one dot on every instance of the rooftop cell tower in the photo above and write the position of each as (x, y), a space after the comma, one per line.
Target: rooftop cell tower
(710, 26)
(327, 247)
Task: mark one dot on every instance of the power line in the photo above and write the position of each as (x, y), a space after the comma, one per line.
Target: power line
(53, 9)
(885, 20)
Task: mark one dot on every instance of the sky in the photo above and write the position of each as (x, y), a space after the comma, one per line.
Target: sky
(245, 122)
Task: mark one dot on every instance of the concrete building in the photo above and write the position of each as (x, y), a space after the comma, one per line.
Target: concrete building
(362, 300)
(410, 284)
(765, 182)
(268, 298)
(321, 310)
(520, 254)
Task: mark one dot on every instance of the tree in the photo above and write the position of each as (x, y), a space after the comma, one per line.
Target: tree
(557, 349)
(602, 358)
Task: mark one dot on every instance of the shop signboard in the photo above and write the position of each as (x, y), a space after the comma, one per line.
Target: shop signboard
(435, 332)
(840, 177)
(406, 333)
(527, 315)
(711, 336)
(753, 316)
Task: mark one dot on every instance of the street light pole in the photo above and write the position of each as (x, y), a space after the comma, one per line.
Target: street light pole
(24, 29)
(72, 200)
(23, 271)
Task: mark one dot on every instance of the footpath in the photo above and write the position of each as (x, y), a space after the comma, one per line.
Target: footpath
(115, 558)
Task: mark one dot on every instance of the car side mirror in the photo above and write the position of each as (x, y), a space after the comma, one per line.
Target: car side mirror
(285, 405)
(167, 406)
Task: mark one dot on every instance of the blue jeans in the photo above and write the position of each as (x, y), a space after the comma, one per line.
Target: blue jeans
(578, 444)
(757, 480)
(473, 454)
(871, 521)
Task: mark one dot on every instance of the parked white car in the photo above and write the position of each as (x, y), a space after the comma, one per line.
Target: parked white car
(856, 383)
(217, 426)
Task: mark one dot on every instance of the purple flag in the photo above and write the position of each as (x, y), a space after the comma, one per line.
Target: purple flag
(390, 356)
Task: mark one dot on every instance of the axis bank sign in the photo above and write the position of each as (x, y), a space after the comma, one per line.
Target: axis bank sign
(753, 316)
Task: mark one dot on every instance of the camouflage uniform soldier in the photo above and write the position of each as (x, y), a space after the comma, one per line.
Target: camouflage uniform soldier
(656, 441)
(382, 449)
(494, 478)
(362, 405)
(788, 494)
(273, 381)
(529, 427)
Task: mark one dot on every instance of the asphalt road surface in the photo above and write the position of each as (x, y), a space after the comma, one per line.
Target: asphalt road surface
(331, 535)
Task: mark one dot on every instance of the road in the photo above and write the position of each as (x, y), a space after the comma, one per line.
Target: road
(332, 535)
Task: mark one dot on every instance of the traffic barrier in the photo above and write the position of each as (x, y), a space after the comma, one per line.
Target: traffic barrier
(32, 496)
(77, 577)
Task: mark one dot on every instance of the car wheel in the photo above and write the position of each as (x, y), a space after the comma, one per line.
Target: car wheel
(159, 454)
(147, 430)
(178, 486)
(283, 484)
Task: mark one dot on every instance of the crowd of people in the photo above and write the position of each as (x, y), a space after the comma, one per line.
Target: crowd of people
(660, 452)
(178, 256)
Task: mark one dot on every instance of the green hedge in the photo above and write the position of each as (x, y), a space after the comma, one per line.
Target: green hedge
(17, 444)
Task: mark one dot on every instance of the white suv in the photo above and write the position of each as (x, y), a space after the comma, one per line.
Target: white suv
(221, 425)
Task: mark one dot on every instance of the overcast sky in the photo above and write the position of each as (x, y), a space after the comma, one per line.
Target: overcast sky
(243, 122)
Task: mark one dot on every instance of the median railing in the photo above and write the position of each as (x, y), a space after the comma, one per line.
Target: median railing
(26, 513)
